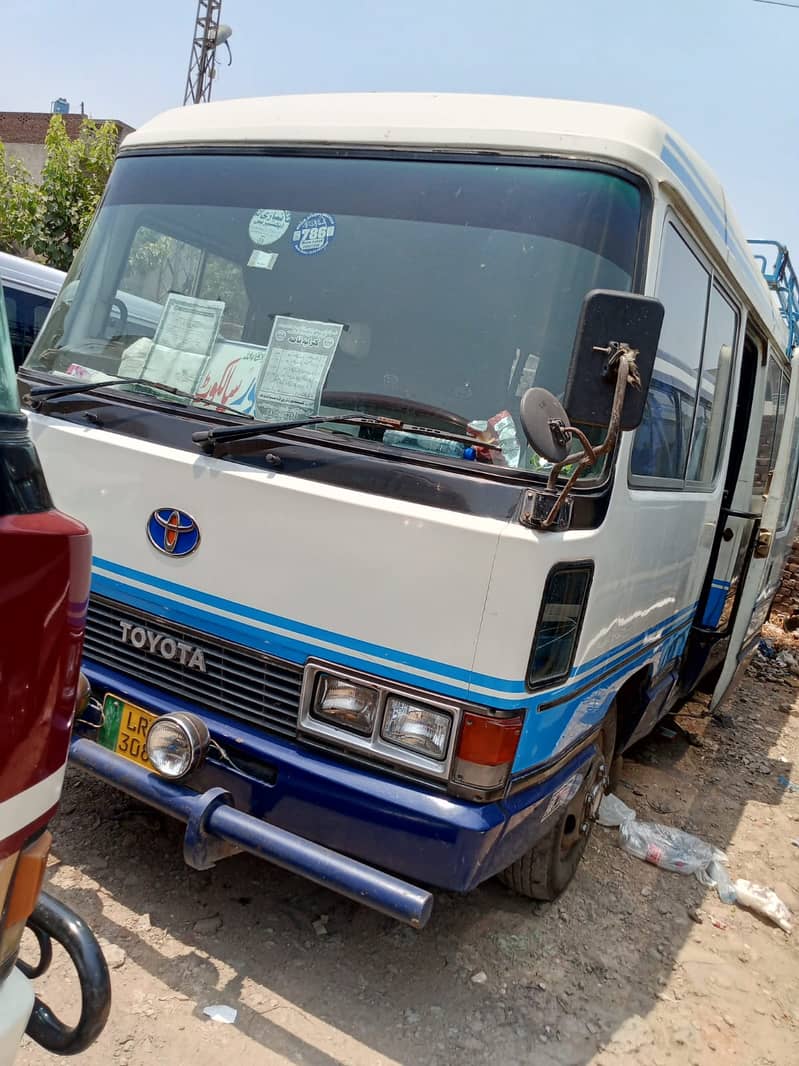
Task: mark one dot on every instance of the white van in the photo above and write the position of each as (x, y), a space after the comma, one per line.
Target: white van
(30, 289)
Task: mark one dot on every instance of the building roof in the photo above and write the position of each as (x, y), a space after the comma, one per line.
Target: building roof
(30, 127)
(480, 123)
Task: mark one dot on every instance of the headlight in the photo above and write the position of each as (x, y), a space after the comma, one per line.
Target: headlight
(387, 721)
(418, 728)
(176, 744)
(346, 703)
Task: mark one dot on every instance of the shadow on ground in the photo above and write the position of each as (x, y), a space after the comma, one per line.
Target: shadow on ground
(560, 979)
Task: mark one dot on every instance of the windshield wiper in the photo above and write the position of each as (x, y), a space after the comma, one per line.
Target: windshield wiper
(209, 438)
(39, 393)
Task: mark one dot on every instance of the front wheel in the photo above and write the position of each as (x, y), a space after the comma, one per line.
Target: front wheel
(544, 871)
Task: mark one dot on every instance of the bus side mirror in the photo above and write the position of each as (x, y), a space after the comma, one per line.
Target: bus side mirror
(611, 367)
(609, 323)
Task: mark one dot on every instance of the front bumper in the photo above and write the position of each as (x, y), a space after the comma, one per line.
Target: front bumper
(211, 821)
(323, 802)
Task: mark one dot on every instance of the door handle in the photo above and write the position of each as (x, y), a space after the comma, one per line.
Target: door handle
(763, 543)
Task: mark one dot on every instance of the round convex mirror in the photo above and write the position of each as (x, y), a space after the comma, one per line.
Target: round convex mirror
(538, 410)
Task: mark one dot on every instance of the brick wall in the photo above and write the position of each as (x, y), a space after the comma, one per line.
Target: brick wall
(23, 134)
(787, 598)
(30, 127)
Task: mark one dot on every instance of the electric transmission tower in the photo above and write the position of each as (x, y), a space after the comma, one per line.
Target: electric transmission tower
(209, 34)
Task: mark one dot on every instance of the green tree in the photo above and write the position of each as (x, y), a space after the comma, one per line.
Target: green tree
(49, 220)
(73, 178)
(18, 205)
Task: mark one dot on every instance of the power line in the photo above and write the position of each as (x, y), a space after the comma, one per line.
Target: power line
(778, 3)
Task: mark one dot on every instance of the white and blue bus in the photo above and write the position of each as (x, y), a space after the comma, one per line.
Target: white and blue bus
(352, 610)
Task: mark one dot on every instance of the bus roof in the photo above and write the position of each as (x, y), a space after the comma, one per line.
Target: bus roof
(481, 123)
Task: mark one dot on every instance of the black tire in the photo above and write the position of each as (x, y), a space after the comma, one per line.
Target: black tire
(545, 871)
(616, 769)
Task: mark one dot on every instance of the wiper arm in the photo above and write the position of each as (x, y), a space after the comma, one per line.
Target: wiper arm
(39, 393)
(209, 438)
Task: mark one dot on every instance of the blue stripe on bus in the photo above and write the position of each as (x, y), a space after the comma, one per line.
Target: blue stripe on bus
(673, 155)
(676, 149)
(605, 656)
(296, 649)
(688, 178)
(290, 649)
(302, 629)
(545, 735)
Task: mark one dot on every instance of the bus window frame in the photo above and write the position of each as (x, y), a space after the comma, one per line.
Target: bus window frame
(682, 484)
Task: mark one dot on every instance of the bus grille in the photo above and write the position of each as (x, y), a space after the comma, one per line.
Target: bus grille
(238, 682)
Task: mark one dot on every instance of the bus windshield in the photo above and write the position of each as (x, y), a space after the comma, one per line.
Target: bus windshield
(286, 286)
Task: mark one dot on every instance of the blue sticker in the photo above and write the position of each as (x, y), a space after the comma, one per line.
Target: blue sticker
(314, 234)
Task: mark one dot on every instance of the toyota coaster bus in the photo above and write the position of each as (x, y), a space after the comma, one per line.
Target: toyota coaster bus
(461, 449)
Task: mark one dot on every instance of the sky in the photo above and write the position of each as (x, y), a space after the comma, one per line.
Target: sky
(721, 72)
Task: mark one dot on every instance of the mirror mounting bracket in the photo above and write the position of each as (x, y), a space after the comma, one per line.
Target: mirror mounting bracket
(551, 510)
(537, 507)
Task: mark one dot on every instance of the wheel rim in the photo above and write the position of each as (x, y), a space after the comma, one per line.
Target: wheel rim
(581, 811)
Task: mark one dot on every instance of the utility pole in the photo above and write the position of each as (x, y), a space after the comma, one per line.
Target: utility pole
(209, 34)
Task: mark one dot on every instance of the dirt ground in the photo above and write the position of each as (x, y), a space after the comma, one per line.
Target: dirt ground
(632, 965)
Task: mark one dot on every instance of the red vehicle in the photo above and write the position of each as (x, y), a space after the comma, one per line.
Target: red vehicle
(45, 563)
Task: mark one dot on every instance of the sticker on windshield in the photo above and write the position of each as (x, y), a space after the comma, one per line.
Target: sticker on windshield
(230, 376)
(268, 225)
(264, 260)
(314, 234)
(298, 359)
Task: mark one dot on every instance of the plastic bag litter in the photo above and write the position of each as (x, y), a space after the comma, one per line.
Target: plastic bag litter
(765, 901)
(218, 1012)
(719, 875)
(788, 660)
(670, 849)
(614, 812)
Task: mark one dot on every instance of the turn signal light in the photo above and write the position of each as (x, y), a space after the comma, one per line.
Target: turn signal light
(25, 883)
(486, 750)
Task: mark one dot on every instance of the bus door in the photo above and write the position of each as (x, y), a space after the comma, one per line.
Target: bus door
(735, 532)
(753, 529)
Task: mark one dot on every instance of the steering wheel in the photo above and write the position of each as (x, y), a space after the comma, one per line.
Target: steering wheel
(395, 407)
(121, 307)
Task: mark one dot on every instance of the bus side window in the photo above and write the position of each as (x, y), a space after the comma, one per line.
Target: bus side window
(721, 332)
(770, 431)
(789, 492)
(683, 286)
(657, 442)
(26, 311)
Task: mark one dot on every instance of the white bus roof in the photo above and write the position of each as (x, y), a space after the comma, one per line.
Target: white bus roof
(480, 123)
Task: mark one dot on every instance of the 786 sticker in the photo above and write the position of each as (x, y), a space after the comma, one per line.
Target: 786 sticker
(314, 233)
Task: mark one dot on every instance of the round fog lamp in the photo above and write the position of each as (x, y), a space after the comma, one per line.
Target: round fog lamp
(176, 744)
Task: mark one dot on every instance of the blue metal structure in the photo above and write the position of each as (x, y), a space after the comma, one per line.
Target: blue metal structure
(775, 263)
